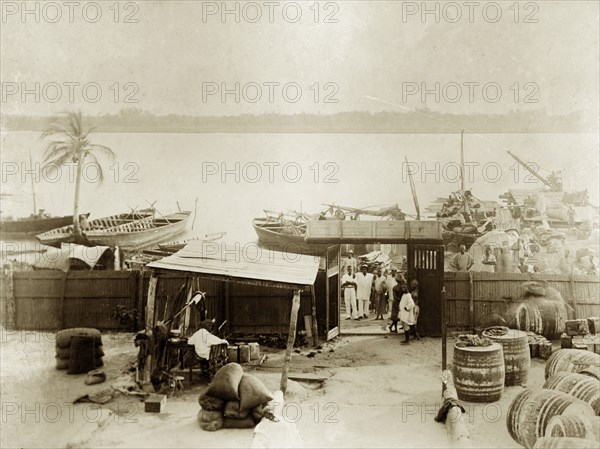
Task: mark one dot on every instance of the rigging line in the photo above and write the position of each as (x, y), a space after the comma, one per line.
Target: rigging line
(437, 120)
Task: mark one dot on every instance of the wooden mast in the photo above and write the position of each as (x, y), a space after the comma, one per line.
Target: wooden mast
(32, 186)
(413, 190)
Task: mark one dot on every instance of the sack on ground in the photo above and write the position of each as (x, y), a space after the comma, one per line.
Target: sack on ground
(253, 392)
(232, 410)
(62, 363)
(210, 421)
(225, 383)
(82, 355)
(211, 403)
(65, 353)
(63, 337)
(232, 423)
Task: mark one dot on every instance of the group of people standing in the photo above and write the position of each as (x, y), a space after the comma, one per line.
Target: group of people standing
(389, 291)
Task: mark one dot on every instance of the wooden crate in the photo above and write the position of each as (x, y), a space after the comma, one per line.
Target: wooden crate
(594, 325)
(576, 327)
(155, 403)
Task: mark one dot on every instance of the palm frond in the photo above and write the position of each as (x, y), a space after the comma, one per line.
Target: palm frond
(103, 149)
(53, 166)
(57, 150)
(97, 164)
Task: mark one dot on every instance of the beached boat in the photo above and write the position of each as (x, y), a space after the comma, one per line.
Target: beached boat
(282, 236)
(129, 231)
(180, 244)
(286, 231)
(32, 225)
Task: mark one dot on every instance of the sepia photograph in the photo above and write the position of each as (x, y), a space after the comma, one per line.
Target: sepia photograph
(300, 224)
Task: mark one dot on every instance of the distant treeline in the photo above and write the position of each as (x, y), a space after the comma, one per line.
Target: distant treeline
(420, 121)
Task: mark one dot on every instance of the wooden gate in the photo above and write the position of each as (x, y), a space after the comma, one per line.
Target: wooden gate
(426, 264)
(332, 314)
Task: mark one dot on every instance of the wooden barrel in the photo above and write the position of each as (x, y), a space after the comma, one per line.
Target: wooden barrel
(531, 411)
(538, 315)
(565, 443)
(592, 371)
(478, 373)
(577, 385)
(571, 426)
(516, 355)
(571, 360)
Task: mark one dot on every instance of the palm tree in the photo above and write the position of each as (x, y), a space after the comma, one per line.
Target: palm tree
(70, 143)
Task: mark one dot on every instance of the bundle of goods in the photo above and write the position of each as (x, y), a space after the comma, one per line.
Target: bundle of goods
(532, 411)
(233, 400)
(541, 310)
(79, 350)
(539, 347)
(573, 361)
(463, 341)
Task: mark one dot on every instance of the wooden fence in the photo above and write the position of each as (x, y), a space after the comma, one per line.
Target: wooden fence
(473, 297)
(47, 300)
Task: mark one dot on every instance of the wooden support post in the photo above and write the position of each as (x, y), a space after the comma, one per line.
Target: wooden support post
(150, 322)
(455, 424)
(314, 317)
(11, 305)
(150, 302)
(291, 340)
(187, 314)
(443, 313)
(471, 303)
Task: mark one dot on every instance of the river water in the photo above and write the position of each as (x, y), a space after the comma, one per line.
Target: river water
(236, 176)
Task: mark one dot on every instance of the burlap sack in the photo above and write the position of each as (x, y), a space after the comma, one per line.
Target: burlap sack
(82, 355)
(226, 382)
(232, 423)
(210, 420)
(63, 337)
(210, 402)
(252, 392)
(232, 410)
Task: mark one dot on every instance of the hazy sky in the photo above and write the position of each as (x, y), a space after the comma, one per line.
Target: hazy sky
(377, 49)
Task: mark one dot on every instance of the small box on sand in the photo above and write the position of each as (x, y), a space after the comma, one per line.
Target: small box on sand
(566, 341)
(155, 403)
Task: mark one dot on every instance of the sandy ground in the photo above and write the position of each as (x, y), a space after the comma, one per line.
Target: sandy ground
(378, 393)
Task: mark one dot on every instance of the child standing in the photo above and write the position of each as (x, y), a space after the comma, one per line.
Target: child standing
(407, 316)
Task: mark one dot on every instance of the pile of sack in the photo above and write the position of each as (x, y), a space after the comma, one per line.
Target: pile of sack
(233, 400)
(79, 350)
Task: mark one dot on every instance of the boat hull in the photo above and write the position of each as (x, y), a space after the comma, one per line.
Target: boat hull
(295, 244)
(31, 227)
(126, 240)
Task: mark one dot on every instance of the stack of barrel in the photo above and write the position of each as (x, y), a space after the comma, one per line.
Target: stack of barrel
(564, 414)
(541, 310)
(79, 350)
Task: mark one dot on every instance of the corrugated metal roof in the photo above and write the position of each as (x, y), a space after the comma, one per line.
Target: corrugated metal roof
(243, 262)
